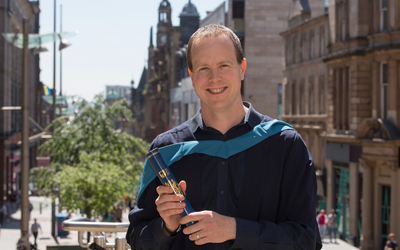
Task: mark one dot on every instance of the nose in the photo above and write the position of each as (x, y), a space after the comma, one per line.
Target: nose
(214, 75)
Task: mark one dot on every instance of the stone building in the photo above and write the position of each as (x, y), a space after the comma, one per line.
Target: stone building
(258, 24)
(360, 139)
(163, 74)
(304, 84)
(11, 14)
(217, 16)
(363, 114)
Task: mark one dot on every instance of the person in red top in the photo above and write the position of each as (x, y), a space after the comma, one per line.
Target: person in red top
(322, 220)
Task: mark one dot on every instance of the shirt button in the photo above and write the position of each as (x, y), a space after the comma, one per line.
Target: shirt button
(223, 163)
(222, 192)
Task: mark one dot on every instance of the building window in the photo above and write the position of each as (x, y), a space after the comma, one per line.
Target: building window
(311, 97)
(280, 101)
(321, 96)
(287, 51)
(385, 213)
(287, 99)
(238, 15)
(322, 41)
(302, 99)
(294, 49)
(384, 15)
(294, 110)
(384, 90)
(342, 94)
(344, 20)
(302, 47)
(311, 45)
(342, 17)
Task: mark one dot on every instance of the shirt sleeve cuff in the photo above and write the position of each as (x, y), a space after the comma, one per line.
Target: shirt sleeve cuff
(159, 234)
(247, 233)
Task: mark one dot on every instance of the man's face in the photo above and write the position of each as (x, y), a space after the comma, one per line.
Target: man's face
(216, 74)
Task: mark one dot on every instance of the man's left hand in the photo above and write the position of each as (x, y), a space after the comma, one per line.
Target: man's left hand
(210, 228)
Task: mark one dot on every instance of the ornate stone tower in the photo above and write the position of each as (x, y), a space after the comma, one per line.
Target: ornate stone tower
(189, 22)
(164, 23)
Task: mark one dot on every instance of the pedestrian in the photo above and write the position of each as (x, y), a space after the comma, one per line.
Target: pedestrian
(332, 225)
(391, 244)
(30, 209)
(250, 179)
(322, 220)
(35, 229)
(3, 213)
(8, 211)
(118, 212)
(131, 204)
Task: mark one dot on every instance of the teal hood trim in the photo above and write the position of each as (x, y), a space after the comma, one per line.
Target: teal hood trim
(222, 149)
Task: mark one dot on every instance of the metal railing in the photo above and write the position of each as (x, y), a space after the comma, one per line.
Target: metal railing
(83, 225)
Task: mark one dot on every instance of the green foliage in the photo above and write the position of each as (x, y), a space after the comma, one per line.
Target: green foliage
(93, 165)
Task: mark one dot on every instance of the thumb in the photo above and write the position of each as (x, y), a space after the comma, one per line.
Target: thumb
(182, 185)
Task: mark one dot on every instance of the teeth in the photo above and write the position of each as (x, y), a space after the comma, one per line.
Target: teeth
(216, 91)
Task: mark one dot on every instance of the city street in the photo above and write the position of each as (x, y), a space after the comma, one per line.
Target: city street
(10, 232)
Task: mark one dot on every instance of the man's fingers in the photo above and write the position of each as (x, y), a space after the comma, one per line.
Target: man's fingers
(182, 185)
(196, 216)
(164, 190)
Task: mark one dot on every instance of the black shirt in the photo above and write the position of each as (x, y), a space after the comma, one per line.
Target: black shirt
(221, 194)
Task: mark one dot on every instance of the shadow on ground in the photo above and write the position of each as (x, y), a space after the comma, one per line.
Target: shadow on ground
(11, 224)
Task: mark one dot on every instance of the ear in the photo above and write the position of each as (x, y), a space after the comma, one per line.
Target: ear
(243, 67)
(191, 74)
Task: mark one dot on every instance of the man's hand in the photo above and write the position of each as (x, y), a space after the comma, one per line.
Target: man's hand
(169, 205)
(210, 228)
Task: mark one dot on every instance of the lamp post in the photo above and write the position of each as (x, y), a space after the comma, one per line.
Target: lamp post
(26, 41)
(132, 97)
(24, 240)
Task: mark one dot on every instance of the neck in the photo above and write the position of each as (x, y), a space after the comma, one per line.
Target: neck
(223, 121)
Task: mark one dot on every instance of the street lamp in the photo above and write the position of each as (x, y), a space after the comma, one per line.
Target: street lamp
(27, 41)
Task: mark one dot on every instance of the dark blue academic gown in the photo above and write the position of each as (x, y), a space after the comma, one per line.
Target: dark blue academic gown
(277, 197)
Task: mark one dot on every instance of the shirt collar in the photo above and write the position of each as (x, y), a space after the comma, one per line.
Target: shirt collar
(252, 117)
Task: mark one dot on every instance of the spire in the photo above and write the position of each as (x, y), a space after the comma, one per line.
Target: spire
(151, 36)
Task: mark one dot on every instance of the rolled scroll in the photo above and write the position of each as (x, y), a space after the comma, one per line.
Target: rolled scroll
(166, 177)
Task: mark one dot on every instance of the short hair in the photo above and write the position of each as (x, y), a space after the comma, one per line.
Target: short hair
(391, 235)
(214, 30)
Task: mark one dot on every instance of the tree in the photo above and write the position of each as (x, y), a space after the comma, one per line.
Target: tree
(93, 164)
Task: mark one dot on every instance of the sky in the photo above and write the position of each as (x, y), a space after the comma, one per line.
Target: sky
(111, 46)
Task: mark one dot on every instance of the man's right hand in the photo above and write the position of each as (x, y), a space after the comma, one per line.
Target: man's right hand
(169, 205)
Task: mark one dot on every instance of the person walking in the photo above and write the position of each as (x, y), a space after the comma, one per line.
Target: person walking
(322, 220)
(35, 229)
(332, 225)
(391, 244)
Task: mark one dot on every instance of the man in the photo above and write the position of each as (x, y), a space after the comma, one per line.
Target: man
(35, 229)
(261, 197)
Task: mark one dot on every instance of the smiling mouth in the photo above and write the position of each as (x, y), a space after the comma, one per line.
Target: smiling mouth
(216, 91)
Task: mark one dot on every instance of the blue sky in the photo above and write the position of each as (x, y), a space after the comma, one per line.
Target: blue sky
(111, 47)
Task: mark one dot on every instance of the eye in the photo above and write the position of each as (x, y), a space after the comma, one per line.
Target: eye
(224, 65)
(202, 69)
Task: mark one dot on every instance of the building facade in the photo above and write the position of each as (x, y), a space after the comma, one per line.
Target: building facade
(11, 14)
(304, 84)
(360, 136)
(258, 24)
(157, 99)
